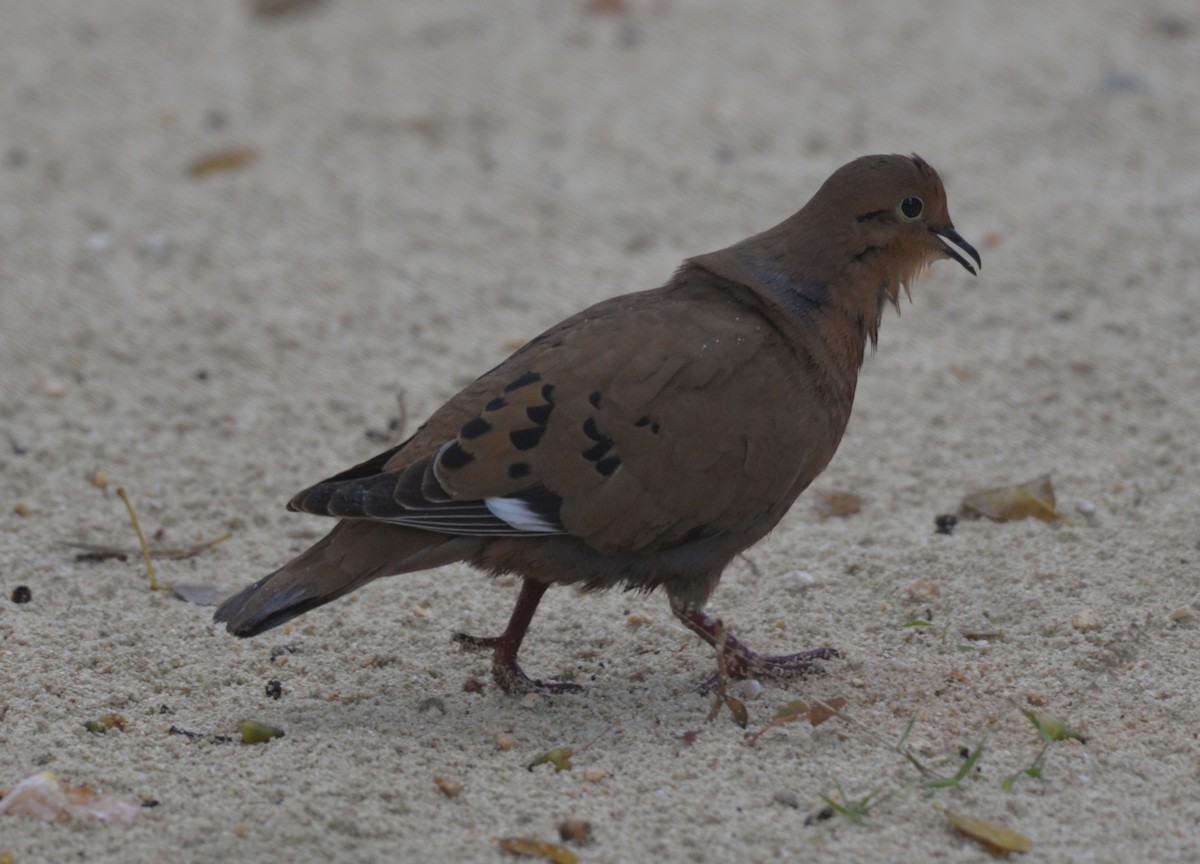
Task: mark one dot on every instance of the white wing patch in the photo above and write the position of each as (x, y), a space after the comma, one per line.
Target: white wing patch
(520, 515)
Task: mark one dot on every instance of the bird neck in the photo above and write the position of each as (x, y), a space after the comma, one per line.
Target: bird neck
(827, 334)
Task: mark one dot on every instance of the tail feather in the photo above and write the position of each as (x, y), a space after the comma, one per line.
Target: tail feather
(354, 553)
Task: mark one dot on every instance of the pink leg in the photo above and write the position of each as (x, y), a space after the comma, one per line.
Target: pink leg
(740, 661)
(505, 670)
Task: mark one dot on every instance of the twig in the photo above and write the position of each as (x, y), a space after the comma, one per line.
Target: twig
(154, 583)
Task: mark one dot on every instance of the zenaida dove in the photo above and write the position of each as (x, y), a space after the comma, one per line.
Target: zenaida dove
(645, 441)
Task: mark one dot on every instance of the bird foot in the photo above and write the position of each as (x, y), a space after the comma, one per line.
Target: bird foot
(507, 673)
(740, 661)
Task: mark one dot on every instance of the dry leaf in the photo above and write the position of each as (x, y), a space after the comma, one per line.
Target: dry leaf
(825, 709)
(538, 849)
(229, 159)
(45, 797)
(838, 504)
(1033, 498)
(992, 836)
(740, 715)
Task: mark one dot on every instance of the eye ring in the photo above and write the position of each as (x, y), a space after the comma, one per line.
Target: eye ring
(910, 209)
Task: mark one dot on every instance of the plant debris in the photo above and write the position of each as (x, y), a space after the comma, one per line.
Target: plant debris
(816, 714)
(1051, 728)
(992, 836)
(45, 797)
(106, 722)
(1033, 498)
(253, 732)
(229, 159)
(538, 849)
(559, 757)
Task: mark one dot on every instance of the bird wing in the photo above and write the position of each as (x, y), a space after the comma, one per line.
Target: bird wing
(634, 425)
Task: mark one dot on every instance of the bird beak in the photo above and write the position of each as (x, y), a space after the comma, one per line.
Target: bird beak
(952, 242)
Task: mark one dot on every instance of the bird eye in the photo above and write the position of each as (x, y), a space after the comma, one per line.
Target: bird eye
(910, 208)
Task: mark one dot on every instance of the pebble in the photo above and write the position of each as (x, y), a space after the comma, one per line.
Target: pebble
(798, 581)
(504, 741)
(749, 689)
(54, 387)
(923, 590)
(100, 242)
(1181, 613)
(24, 507)
(1085, 620)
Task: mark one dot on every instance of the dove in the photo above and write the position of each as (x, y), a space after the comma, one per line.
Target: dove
(645, 441)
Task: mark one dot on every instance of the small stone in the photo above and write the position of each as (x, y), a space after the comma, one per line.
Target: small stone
(798, 581)
(100, 242)
(787, 799)
(24, 507)
(100, 478)
(749, 689)
(594, 775)
(54, 387)
(22, 594)
(448, 786)
(156, 248)
(636, 620)
(1085, 508)
(274, 689)
(1179, 614)
(1085, 620)
(575, 830)
(504, 741)
(923, 590)
(533, 700)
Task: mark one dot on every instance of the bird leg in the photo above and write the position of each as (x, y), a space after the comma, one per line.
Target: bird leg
(505, 670)
(740, 661)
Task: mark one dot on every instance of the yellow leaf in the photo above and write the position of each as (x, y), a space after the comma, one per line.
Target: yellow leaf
(538, 849)
(559, 757)
(1033, 498)
(992, 836)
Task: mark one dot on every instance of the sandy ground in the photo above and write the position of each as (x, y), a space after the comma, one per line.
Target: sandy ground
(437, 181)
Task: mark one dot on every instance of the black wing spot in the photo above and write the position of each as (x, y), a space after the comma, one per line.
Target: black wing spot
(594, 398)
(595, 453)
(527, 439)
(524, 381)
(540, 414)
(609, 465)
(455, 457)
(517, 470)
(642, 421)
(474, 428)
(548, 393)
(496, 404)
(590, 430)
(655, 428)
